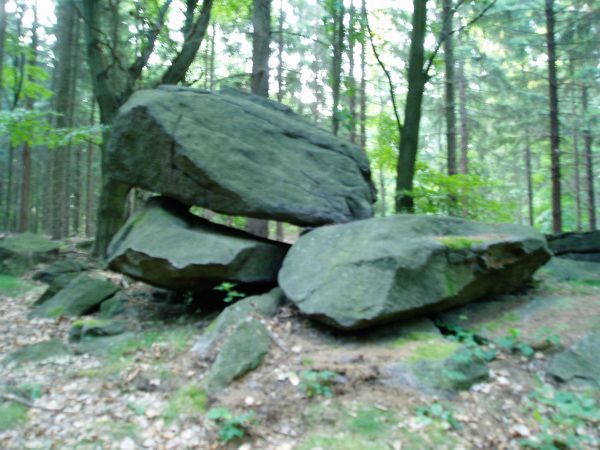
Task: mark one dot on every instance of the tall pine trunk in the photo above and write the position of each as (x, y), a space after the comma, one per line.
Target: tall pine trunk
(363, 77)
(351, 79)
(449, 81)
(464, 120)
(25, 203)
(336, 63)
(554, 125)
(528, 180)
(261, 38)
(589, 161)
(66, 17)
(409, 137)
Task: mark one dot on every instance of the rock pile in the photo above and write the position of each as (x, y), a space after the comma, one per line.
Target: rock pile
(238, 154)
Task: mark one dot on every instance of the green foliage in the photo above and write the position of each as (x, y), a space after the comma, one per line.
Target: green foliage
(11, 286)
(563, 418)
(472, 345)
(231, 427)
(33, 127)
(11, 415)
(384, 153)
(437, 412)
(511, 342)
(469, 196)
(187, 400)
(317, 382)
(230, 293)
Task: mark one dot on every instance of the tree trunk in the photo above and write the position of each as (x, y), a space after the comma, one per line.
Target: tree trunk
(25, 203)
(589, 161)
(74, 174)
(448, 12)
(280, 52)
(212, 58)
(89, 216)
(382, 191)
(464, 120)
(528, 178)
(261, 39)
(554, 126)
(2, 40)
(66, 16)
(576, 163)
(351, 79)
(111, 208)
(409, 137)
(336, 64)
(363, 78)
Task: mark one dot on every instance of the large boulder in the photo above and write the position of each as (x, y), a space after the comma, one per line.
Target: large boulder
(238, 154)
(169, 247)
(81, 295)
(578, 362)
(355, 275)
(20, 252)
(578, 246)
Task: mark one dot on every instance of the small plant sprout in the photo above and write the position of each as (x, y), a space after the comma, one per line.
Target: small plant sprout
(231, 426)
(511, 342)
(438, 411)
(230, 293)
(315, 382)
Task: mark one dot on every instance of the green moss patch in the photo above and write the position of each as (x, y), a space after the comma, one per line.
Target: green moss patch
(186, 401)
(12, 286)
(12, 415)
(433, 350)
(459, 242)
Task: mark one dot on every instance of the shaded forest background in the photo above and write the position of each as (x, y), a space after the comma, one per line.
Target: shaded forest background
(508, 121)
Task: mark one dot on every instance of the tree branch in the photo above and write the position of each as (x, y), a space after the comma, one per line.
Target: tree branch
(181, 63)
(443, 36)
(135, 70)
(387, 74)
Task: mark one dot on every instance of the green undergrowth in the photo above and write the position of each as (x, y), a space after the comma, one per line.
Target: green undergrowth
(459, 242)
(367, 427)
(175, 340)
(565, 419)
(184, 402)
(13, 286)
(11, 415)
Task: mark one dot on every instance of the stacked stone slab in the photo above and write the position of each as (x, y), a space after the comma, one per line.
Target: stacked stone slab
(372, 271)
(238, 154)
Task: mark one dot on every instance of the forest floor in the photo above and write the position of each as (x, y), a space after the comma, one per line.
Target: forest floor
(315, 390)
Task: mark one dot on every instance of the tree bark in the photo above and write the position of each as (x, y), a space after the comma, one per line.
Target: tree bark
(2, 40)
(351, 79)
(261, 39)
(66, 16)
(111, 208)
(363, 77)
(554, 126)
(180, 65)
(409, 136)
(528, 178)
(576, 162)
(89, 216)
(25, 203)
(589, 161)
(74, 174)
(449, 82)
(336, 64)
(464, 120)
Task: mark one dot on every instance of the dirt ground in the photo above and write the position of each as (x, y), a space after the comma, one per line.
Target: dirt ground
(145, 392)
